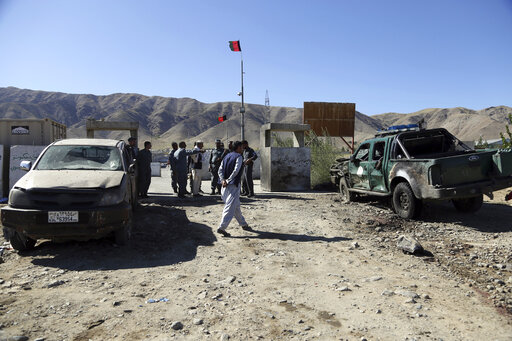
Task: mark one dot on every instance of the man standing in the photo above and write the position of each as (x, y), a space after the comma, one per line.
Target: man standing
(249, 156)
(131, 150)
(181, 165)
(197, 168)
(144, 159)
(215, 160)
(172, 166)
(229, 176)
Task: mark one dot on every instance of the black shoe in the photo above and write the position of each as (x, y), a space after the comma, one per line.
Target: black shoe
(212, 193)
(246, 228)
(197, 195)
(181, 196)
(224, 233)
(250, 195)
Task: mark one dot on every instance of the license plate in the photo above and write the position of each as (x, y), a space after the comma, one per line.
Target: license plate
(63, 217)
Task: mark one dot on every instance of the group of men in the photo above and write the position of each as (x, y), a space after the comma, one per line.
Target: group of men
(191, 164)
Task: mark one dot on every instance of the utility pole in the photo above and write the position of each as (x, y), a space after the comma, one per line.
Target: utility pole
(242, 108)
(267, 106)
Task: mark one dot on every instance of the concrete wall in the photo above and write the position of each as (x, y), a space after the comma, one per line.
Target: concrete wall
(2, 195)
(18, 154)
(286, 169)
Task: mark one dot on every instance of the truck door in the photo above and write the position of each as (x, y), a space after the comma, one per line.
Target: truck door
(377, 180)
(358, 168)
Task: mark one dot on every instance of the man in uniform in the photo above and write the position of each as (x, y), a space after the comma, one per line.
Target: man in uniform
(215, 160)
(172, 166)
(181, 163)
(249, 156)
(131, 150)
(144, 159)
(230, 176)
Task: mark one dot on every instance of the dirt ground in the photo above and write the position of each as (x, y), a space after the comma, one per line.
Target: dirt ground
(312, 269)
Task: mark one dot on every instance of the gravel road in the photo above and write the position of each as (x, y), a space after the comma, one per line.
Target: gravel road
(312, 269)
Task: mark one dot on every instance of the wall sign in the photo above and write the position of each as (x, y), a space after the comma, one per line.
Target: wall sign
(20, 130)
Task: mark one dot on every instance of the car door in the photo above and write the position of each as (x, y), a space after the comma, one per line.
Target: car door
(358, 168)
(375, 165)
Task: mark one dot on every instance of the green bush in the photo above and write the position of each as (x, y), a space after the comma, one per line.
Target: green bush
(323, 155)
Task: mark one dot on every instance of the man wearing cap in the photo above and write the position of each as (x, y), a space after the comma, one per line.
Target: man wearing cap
(230, 175)
(197, 168)
(215, 160)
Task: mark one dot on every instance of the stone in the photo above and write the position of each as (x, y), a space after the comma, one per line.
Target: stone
(55, 284)
(387, 293)
(202, 295)
(18, 338)
(407, 293)
(409, 244)
(198, 322)
(343, 289)
(355, 245)
(224, 337)
(177, 325)
(227, 280)
(372, 279)
(473, 256)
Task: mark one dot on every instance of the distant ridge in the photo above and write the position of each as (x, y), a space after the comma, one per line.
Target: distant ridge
(166, 119)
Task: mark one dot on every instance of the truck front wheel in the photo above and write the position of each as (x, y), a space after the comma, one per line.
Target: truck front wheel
(404, 202)
(345, 194)
(467, 205)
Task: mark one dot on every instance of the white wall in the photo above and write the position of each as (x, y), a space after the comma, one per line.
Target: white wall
(18, 154)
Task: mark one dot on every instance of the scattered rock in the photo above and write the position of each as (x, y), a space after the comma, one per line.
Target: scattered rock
(372, 279)
(228, 280)
(387, 293)
(355, 245)
(224, 337)
(177, 325)
(17, 338)
(409, 244)
(55, 284)
(198, 322)
(343, 289)
(407, 293)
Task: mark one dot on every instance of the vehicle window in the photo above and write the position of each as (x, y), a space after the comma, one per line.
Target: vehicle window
(362, 153)
(436, 143)
(378, 151)
(81, 157)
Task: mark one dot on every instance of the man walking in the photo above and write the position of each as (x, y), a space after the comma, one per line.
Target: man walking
(230, 176)
(180, 159)
(215, 160)
(144, 158)
(197, 168)
(249, 157)
(172, 166)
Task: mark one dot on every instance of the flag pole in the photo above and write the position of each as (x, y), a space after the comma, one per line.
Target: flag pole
(242, 108)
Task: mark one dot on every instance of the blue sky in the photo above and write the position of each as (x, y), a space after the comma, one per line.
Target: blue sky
(386, 56)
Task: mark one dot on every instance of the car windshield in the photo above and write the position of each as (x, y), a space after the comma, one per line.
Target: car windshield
(81, 157)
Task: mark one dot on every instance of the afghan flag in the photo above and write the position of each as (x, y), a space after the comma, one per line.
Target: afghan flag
(235, 46)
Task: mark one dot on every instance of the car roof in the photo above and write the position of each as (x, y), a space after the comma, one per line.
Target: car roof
(87, 142)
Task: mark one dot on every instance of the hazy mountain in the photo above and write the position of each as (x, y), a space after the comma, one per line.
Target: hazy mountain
(166, 119)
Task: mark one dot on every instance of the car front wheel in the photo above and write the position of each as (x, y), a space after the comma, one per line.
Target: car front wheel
(345, 195)
(19, 241)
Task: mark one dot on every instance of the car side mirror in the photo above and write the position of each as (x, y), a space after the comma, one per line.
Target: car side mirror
(26, 165)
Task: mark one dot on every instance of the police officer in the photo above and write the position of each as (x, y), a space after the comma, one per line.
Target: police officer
(249, 156)
(215, 160)
(144, 158)
(181, 163)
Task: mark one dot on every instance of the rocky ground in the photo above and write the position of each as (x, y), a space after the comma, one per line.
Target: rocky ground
(312, 269)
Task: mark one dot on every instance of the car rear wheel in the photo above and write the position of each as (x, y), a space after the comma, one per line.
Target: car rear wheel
(467, 205)
(124, 233)
(404, 202)
(345, 195)
(19, 241)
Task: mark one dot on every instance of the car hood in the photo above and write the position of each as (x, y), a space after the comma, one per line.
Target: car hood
(70, 179)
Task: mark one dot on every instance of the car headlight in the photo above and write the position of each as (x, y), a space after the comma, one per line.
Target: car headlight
(19, 198)
(111, 197)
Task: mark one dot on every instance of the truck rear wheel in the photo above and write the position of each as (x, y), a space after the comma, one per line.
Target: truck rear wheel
(404, 202)
(345, 194)
(19, 241)
(467, 205)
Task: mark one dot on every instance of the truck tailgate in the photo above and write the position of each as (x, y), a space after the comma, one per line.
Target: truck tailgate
(462, 169)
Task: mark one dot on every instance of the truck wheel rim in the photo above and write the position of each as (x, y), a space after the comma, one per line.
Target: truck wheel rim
(404, 201)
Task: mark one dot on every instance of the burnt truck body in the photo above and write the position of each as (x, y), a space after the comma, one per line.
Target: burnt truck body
(412, 165)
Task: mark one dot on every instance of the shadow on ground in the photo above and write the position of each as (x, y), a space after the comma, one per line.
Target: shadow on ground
(161, 236)
(491, 218)
(291, 237)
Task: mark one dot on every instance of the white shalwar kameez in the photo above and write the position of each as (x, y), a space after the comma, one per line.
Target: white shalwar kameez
(231, 197)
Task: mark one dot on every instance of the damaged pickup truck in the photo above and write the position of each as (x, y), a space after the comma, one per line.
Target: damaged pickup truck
(77, 189)
(412, 165)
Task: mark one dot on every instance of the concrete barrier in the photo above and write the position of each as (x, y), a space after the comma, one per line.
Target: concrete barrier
(156, 169)
(18, 154)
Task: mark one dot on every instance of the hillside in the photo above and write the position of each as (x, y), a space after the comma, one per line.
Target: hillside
(166, 119)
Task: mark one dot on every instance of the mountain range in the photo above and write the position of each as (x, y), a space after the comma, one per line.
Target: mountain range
(166, 119)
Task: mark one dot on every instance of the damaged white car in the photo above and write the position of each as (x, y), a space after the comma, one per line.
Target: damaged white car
(77, 189)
